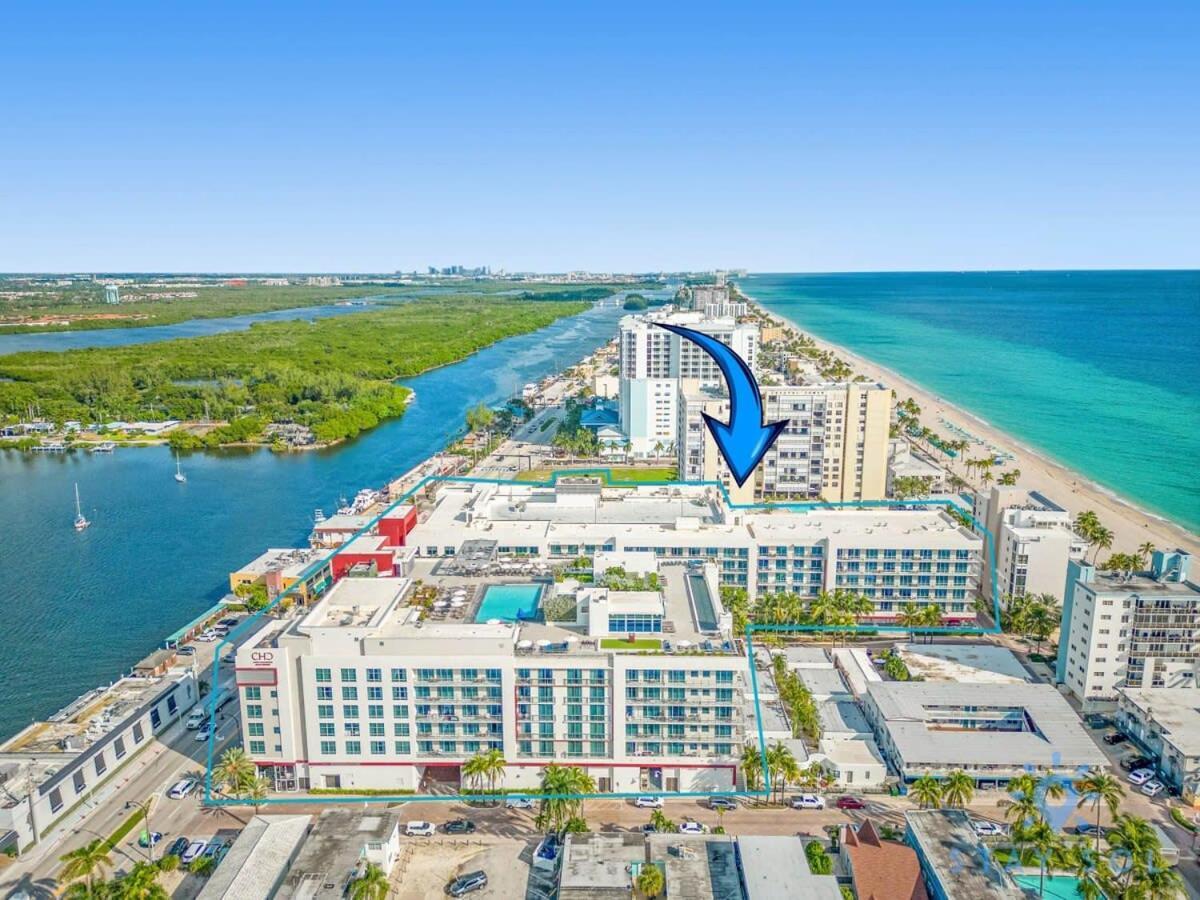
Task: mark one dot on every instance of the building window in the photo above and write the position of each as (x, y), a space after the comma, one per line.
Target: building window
(402, 747)
(258, 747)
(56, 802)
(324, 675)
(350, 675)
(255, 693)
(350, 711)
(328, 748)
(375, 675)
(378, 748)
(253, 711)
(101, 765)
(354, 748)
(119, 747)
(349, 693)
(138, 734)
(80, 782)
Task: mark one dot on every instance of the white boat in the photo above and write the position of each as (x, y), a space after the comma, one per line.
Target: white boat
(179, 476)
(80, 522)
(103, 447)
(318, 517)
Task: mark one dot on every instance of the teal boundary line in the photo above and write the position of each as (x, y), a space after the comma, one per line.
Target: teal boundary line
(751, 630)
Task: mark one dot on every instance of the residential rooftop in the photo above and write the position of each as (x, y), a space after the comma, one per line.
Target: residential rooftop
(950, 852)
(258, 859)
(698, 867)
(1175, 712)
(974, 661)
(775, 868)
(330, 857)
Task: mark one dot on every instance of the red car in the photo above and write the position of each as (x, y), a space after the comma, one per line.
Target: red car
(849, 803)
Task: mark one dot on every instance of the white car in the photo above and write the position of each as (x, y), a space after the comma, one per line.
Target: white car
(649, 802)
(181, 789)
(518, 803)
(808, 801)
(193, 852)
(207, 637)
(984, 828)
(690, 827)
(1152, 788)
(420, 829)
(1141, 776)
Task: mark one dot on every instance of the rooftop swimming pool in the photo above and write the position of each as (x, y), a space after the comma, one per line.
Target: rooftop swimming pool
(1058, 887)
(505, 601)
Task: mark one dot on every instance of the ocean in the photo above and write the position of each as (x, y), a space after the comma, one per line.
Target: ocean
(1098, 370)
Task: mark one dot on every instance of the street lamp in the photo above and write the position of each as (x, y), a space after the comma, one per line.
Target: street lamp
(144, 806)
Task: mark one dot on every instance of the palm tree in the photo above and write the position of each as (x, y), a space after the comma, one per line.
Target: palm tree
(494, 767)
(1144, 553)
(235, 771)
(1134, 840)
(256, 792)
(650, 880)
(910, 618)
(1039, 618)
(372, 884)
(1023, 807)
(87, 862)
(1045, 845)
(562, 785)
(931, 617)
(781, 764)
(141, 883)
(474, 769)
(1102, 539)
(927, 791)
(1100, 789)
(751, 764)
(958, 789)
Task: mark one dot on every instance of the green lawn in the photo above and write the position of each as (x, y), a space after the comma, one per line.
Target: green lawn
(637, 644)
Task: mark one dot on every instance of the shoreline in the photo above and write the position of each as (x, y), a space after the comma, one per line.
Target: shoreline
(1131, 524)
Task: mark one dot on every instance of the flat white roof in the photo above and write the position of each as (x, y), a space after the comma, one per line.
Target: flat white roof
(775, 868)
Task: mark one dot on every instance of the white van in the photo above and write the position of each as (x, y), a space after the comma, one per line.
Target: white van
(198, 717)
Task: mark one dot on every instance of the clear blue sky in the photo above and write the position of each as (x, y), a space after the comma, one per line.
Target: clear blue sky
(790, 137)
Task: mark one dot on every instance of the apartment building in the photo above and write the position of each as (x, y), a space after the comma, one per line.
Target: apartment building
(652, 360)
(1034, 541)
(715, 300)
(1129, 630)
(365, 691)
(835, 445)
(893, 556)
(1165, 723)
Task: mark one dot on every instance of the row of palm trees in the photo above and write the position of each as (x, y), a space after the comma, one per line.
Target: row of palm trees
(782, 768)
(1032, 615)
(237, 775)
(1089, 527)
(87, 868)
(488, 766)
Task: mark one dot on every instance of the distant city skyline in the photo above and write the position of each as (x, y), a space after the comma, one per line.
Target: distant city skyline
(922, 137)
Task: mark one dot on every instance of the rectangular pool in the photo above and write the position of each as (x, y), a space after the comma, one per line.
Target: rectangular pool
(504, 601)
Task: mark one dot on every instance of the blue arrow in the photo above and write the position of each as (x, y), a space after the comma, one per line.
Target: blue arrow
(745, 440)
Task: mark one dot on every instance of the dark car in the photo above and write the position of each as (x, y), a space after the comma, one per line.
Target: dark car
(216, 850)
(459, 826)
(1115, 738)
(1097, 721)
(1086, 828)
(1133, 763)
(848, 802)
(466, 884)
(178, 846)
(724, 803)
(228, 623)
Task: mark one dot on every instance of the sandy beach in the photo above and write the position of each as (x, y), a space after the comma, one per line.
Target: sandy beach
(1130, 525)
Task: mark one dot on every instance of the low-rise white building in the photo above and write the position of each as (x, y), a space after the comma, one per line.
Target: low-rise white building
(1165, 723)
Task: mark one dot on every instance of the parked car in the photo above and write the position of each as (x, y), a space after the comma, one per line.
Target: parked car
(1115, 737)
(466, 884)
(1140, 776)
(725, 803)
(228, 623)
(186, 650)
(808, 801)
(1097, 721)
(689, 826)
(649, 802)
(1133, 763)
(216, 850)
(204, 731)
(984, 828)
(177, 847)
(195, 848)
(419, 829)
(649, 828)
(181, 789)
(518, 803)
(1086, 828)
(459, 826)
(207, 637)
(1152, 788)
(848, 802)
(149, 840)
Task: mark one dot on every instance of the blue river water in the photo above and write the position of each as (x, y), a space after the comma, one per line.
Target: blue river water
(81, 608)
(1098, 370)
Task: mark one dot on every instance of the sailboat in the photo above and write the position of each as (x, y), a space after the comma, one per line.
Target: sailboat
(80, 522)
(179, 476)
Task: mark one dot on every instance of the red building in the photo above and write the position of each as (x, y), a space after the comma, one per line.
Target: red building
(398, 524)
(369, 549)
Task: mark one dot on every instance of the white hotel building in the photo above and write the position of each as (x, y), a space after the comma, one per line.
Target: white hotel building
(365, 690)
(652, 361)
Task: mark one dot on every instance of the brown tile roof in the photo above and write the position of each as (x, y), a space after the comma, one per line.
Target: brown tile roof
(882, 870)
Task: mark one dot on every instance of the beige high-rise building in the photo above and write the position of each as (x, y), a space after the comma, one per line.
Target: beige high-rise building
(834, 448)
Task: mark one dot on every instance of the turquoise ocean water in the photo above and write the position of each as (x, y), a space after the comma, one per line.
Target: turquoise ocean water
(1098, 370)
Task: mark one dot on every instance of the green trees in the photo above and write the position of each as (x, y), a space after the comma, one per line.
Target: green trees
(662, 824)
(560, 807)
(88, 862)
(799, 702)
(486, 766)
(905, 487)
(927, 792)
(958, 789)
(751, 766)
(334, 377)
(650, 880)
(783, 768)
(235, 772)
(480, 418)
(1033, 615)
(1009, 478)
(819, 862)
(372, 884)
(636, 302)
(1100, 789)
